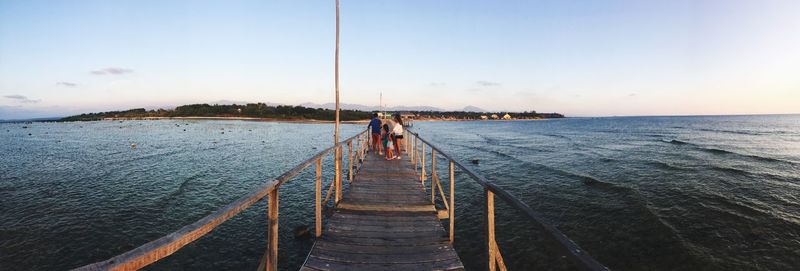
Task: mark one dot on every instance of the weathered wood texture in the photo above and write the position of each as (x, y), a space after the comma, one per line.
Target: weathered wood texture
(384, 222)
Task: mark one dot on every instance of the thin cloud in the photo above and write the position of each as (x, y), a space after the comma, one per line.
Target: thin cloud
(112, 71)
(21, 99)
(67, 84)
(437, 84)
(488, 84)
(631, 94)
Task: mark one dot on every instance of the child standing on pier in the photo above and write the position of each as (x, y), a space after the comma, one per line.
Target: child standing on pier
(375, 124)
(387, 139)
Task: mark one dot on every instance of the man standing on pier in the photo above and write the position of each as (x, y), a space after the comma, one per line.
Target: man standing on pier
(375, 123)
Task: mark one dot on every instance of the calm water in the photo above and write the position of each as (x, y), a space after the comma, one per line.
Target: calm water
(650, 193)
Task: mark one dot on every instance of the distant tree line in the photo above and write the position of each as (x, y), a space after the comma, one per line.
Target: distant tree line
(254, 110)
(286, 112)
(477, 115)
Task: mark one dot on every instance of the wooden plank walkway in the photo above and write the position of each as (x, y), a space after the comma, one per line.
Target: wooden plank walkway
(385, 221)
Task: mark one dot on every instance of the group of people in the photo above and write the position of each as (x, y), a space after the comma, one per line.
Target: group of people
(386, 136)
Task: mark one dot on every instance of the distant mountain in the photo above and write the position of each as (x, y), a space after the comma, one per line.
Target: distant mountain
(230, 102)
(470, 108)
(369, 108)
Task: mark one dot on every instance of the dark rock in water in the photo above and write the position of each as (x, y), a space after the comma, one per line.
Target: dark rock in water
(313, 148)
(223, 132)
(302, 232)
(184, 130)
(24, 127)
(475, 161)
(30, 134)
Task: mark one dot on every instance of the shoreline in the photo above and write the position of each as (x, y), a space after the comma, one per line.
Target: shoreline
(307, 121)
(304, 121)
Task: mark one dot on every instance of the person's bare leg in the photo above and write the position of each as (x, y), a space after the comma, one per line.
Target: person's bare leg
(397, 145)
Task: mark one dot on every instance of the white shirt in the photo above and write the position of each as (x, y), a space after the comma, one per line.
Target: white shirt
(398, 129)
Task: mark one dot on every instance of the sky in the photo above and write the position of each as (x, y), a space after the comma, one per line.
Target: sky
(580, 58)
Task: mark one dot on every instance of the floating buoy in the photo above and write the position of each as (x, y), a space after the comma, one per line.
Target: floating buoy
(133, 146)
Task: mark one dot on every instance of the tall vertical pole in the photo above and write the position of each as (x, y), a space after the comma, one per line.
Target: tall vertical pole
(338, 151)
(336, 133)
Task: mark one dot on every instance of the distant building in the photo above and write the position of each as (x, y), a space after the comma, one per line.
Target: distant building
(484, 117)
(408, 116)
(494, 116)
(507, 116)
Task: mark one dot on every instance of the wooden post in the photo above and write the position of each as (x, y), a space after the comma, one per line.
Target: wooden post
(434, 178)
(405, 138)
(318, 187)
(414, 153)
(350, 161)
(452, 209)
(422, 175)
(489, 223)
(338, 175)
(272, 234)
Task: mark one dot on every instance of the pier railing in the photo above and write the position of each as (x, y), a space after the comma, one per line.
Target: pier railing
(169, 244)
(415, 148)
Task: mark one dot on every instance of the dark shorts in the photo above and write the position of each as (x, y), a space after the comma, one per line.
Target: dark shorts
(398, 136)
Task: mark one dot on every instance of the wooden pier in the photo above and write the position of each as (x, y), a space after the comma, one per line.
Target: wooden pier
(385, 221)
(382, 216)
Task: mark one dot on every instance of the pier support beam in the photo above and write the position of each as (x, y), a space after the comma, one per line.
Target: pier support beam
(272, 231)
(452, 210)
(489, 222)
(318, 197)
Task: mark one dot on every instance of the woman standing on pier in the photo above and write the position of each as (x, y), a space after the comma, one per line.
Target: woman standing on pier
(397, 131)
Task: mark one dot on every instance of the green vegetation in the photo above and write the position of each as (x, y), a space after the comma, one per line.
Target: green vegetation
(461, 115)
(257, 110)
(287, 112)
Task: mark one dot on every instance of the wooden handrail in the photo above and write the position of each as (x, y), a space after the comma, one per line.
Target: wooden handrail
(162, 247)
(583, 260)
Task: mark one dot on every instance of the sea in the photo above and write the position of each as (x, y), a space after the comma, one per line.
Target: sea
(636, 193)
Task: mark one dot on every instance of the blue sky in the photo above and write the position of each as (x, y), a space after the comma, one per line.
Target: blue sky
(581, 58)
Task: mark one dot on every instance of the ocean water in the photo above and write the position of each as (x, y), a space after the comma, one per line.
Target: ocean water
(638, 193)
(643, 193)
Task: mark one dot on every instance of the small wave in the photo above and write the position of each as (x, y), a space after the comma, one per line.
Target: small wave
(589, 180)
(181, 189)
(678, 142)
(487, 139)
(717, 151)
(557, 136)
(727, 152)
(730, 131)
(732, 170)
(663, 165)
